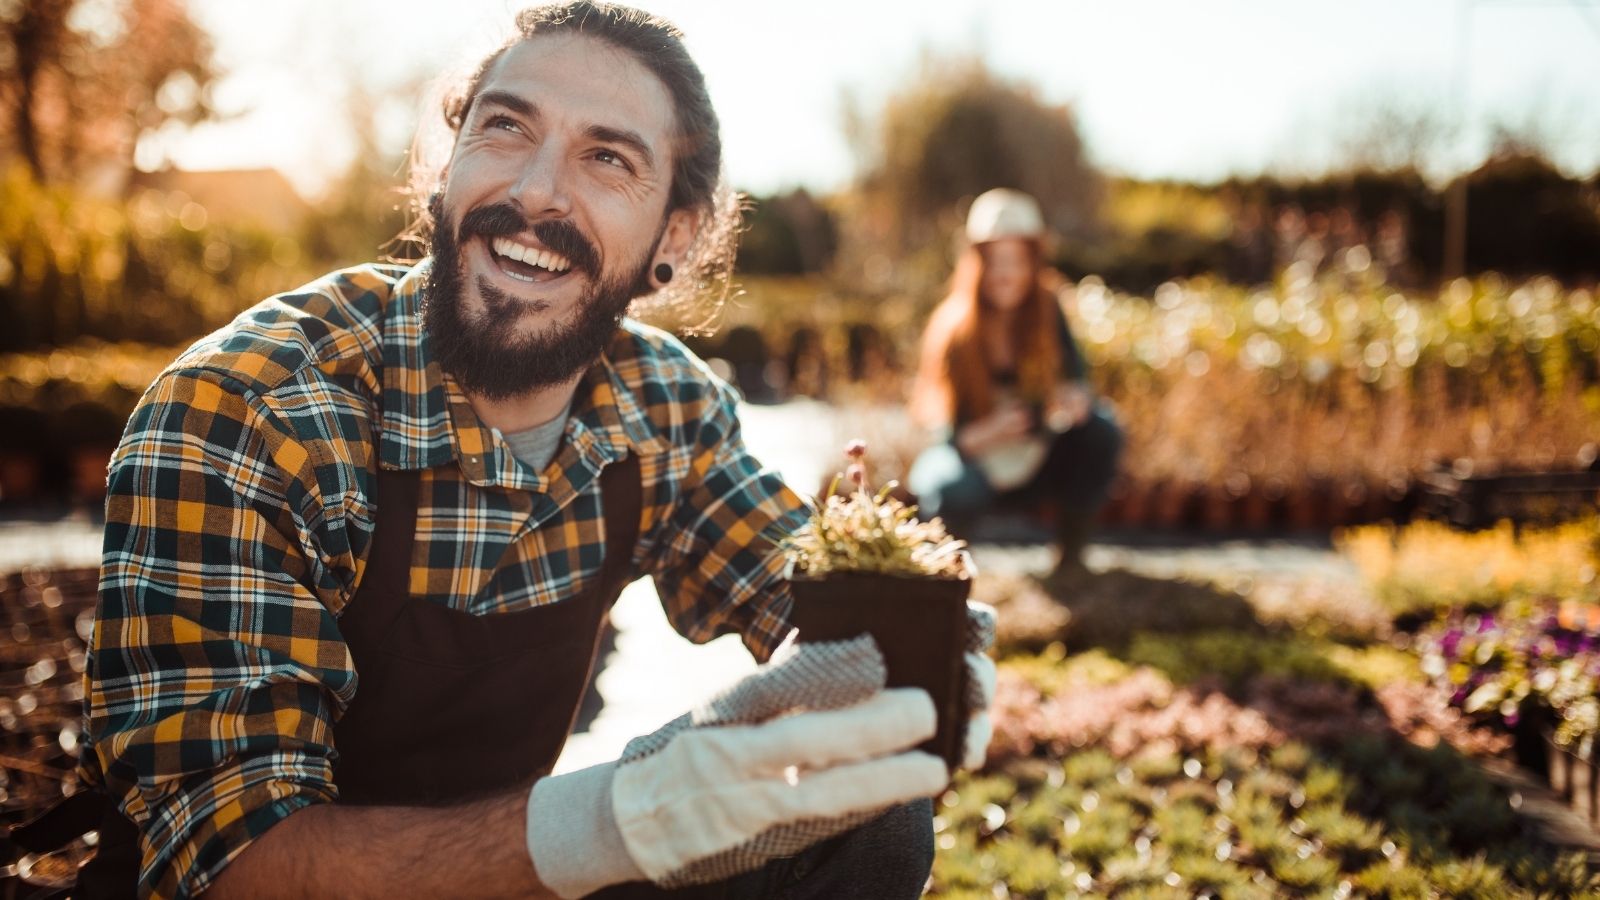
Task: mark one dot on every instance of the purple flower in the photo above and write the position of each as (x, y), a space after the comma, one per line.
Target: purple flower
(1450, 643)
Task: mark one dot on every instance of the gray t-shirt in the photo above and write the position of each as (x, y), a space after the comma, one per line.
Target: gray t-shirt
(536, 446)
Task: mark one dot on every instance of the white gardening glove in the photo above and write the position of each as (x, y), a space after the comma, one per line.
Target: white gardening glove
(808, 746)
(980, 684)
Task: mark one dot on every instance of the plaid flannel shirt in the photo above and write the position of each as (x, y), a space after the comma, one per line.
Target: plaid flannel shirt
(239, 520)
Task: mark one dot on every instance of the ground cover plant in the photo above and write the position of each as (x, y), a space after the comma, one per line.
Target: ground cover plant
(1198, 740)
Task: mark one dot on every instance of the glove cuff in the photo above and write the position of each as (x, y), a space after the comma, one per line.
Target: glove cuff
(572, 833)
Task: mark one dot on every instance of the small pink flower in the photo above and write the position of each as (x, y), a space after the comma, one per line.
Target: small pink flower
(857, 473)
(856, 449)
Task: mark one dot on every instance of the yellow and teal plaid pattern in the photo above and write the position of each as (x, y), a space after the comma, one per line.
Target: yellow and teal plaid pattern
(240, 514)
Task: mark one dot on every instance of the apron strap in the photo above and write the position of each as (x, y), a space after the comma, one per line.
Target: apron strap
(386, 587)
(622, 499)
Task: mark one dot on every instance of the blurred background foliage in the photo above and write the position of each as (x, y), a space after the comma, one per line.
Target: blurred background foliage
(1249, 330)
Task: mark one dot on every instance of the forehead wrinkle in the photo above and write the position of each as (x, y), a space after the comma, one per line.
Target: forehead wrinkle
(618, 79)
(611, 76)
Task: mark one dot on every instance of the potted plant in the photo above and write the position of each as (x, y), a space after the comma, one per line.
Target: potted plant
(1534, 669)
(865, 564)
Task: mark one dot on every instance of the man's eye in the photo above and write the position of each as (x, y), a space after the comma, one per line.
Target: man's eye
(500, 123)
(612, 158)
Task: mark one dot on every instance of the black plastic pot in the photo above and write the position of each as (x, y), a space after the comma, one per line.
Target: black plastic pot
(919, 624)
(1530, 739)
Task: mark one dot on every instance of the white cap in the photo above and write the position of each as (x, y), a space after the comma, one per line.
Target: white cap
(1004, 213)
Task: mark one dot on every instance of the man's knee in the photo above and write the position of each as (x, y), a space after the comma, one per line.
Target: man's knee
(889, 857)
(909, 841)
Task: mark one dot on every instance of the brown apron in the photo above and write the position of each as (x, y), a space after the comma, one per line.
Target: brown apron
(449, 705)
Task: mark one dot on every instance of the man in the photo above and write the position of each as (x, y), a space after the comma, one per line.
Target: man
(359, 544)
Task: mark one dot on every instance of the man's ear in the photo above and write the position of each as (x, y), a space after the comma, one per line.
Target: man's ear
(677, 237)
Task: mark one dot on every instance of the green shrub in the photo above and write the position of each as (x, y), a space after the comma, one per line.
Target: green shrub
(1204, 872)
(1470, 879)
(1090, 767)
(1303, 870)
(1029, 868)
(1291, 758)
(1395, 881)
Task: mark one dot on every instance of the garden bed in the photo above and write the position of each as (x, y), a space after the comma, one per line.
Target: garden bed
(1155, 736)
(1186, 738)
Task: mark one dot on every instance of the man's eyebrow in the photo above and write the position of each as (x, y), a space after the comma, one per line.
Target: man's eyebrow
(603, 133)
(630, 139)
(510, 101)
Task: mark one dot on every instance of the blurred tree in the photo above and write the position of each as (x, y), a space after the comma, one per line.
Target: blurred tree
(959, 130)
(1528, 218)
(83, 81)
(1390, 133)
(366, 211)
(787, 234)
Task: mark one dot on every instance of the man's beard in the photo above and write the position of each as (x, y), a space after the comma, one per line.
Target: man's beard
(482, 350)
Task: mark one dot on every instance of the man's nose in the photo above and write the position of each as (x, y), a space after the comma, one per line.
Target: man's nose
(542, 187)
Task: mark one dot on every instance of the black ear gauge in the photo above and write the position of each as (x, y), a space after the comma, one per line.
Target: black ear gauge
(663, 273)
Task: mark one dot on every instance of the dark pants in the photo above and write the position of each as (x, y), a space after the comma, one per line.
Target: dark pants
(886, 859)
(1076, 475)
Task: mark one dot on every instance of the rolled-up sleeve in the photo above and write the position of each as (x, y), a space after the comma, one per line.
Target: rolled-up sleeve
(721, 566)
(217, 667)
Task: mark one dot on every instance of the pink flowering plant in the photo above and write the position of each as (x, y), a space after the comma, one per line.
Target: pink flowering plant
(872, 532)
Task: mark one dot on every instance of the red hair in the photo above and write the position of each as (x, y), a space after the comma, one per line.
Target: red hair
(955, 379)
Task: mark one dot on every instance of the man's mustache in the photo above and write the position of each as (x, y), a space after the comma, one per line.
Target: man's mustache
(558, 235)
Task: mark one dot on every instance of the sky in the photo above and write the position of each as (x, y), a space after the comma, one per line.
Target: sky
(1187, 89)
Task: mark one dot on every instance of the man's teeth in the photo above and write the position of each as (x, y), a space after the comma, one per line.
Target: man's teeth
(544, 259)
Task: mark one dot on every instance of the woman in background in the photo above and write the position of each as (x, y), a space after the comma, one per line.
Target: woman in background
(1002, 382)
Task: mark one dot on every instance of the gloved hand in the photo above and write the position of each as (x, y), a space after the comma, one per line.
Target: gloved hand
(808, 746)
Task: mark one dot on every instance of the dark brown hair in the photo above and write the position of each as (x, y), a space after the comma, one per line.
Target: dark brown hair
(701, 283)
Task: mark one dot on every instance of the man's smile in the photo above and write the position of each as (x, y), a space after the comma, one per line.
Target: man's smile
(527, 262)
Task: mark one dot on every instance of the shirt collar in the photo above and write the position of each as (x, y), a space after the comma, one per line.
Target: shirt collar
(428, 421)
(617, 414)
